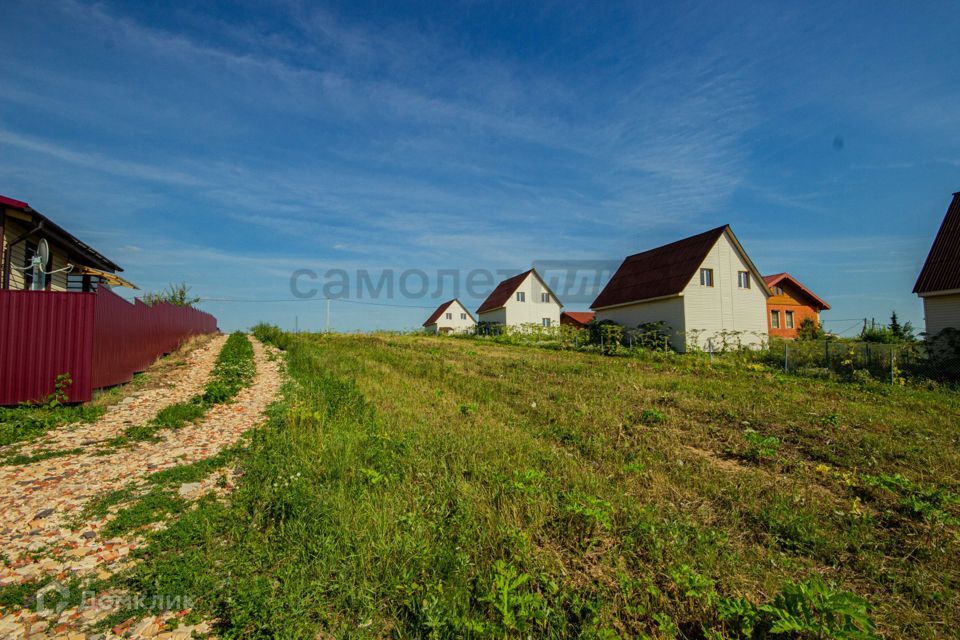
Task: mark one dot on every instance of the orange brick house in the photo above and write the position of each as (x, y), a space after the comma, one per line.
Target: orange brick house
(789, 304)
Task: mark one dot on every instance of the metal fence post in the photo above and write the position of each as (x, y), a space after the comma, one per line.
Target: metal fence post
(786, 357)
(826, 354)
(710, 349)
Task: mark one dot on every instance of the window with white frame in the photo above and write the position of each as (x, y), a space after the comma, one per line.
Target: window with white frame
(789, 319)
(521, 296)
(706, 277)
(743, 279)
(449, 316)
(463, 316)
(775, 319)
(544, 297)
(546, 322)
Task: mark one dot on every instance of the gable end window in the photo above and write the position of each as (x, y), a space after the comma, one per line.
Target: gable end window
(775, 319)
(778, 291)
(706, 277)
(521, 296)
(743, 279)
(544, 297)
(463, 316)
(449, 316)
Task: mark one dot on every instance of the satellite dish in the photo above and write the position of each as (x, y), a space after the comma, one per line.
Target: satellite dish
(43, 252)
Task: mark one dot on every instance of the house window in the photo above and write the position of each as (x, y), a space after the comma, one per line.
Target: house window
(743, 279)
(778, 291)
(775, 319)
(789, 319)
(706, 277)
(521, 296)
(546, 322)
(544, 297)
(449, 316)
(463, 316)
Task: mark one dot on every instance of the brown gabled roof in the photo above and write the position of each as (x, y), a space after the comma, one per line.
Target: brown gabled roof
(660, 272)
(941, 271)
(777, 278)
(442, 308)
(499, 296)
(579, 317)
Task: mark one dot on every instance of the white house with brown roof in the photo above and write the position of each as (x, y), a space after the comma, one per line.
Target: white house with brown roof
(704, 288)
(939, 282)
(450, 317)
(524, 299)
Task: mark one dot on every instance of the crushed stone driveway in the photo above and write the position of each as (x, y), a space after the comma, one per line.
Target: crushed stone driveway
(41, 502)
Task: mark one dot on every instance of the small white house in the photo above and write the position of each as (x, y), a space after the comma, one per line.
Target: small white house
(939, 281)
(524, 299)
(704, 288)
(450, 317)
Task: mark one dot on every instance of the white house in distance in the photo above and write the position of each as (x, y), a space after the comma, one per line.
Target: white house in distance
(939, 281)
(702, 288)
(450, 317)
(523, 299)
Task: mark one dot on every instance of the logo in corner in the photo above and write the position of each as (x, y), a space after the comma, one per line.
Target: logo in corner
(54, 596)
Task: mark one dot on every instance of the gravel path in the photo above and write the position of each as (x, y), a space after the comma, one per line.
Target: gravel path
(39, 500)
(178, 385)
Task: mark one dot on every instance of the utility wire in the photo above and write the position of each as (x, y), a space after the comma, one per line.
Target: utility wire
(348, 301)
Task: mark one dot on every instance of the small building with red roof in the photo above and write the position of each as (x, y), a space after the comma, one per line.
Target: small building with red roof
(450, 317)
(578, 319)
(524, 299)
(789, 304)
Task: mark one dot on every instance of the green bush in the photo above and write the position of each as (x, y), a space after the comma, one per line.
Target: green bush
(809, 609)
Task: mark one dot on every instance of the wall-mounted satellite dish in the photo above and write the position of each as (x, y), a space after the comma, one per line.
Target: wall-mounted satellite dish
(43, 252)
(39, 263)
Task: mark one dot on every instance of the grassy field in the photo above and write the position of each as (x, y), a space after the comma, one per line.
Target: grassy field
(427, 487)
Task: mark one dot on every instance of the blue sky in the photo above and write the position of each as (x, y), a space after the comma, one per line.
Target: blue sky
(226, 147)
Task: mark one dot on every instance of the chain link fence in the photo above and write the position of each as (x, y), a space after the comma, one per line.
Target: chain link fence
(935, 359)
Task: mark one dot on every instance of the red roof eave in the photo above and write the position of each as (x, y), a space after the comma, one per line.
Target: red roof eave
(775, 279)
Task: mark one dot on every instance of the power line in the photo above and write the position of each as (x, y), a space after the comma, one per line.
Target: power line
(346, 300)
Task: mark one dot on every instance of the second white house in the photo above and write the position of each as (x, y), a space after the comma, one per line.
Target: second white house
(524, 299)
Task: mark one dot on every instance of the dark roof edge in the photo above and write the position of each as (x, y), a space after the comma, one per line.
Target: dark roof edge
(63, 236)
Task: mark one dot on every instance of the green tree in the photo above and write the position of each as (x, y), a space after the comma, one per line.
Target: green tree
(810, 330)
(175, 294)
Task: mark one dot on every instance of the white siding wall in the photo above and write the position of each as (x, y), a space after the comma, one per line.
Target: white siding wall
(668, 310)
(724, 307)
(497, 316)
(456, 324)
(941, 312)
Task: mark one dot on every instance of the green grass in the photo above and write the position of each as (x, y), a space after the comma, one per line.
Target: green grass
(156, 499)
(28, 422)
(233, 370)
(46, 454)
(424, 487)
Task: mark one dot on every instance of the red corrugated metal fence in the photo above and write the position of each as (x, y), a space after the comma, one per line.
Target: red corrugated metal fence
(99, 338)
